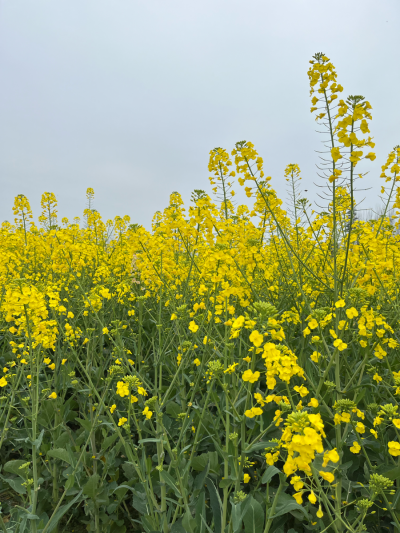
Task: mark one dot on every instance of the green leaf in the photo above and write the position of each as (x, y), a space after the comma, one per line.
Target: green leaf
(226, 482)
(216, 505)
(269, 474)
(60, 453)
(109, 441)
(199, 481)
(13, 468)
(199, 462)
(86, 424)
(254, 517)
(173, 409)
(52, 523)
(62, 440)
(188, 522)
(390, 472)
(70, 482)
(286, 504)
(37, 442)
(260, 446)
(200, 511)
(90, 489)
(169, 480)
(16, 484)
(139, 499)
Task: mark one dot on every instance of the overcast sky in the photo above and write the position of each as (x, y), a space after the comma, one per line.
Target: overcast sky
(129, 96)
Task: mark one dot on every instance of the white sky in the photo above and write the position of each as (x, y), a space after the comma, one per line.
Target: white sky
(129, 96)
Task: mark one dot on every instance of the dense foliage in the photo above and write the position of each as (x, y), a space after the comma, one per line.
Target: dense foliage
(231, 370)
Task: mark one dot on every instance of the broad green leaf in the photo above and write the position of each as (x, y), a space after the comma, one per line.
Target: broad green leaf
(216, 505)
(270, 472)
(254, 517)
(60, 453)
(84, 423)
(287, 503)
(200, 511)
(90, 489)
(13, 467)
(390, 472)
(226, 482)
(173, 409)
(16, 484)
(199, 481)
(199, 462)
(108, 441)
(138, 500)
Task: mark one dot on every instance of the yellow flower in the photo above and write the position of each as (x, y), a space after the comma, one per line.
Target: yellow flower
(105, 331)
(52, 366)
(122, 421)
(256, 338)
(122, 389)
(374, 433)
(297, 483)
(312, 498)
(70, 314)
(340, 345)
(254, 411)
(313, 403)
(246, 478)
(142, 391)
(53, 395)
(85, 341)
(313, 324)
(47, 360)
(363, 343)
(351, 313)
(320, 514)
(328, 476)
(193, 326)
(377, 378)
(231, 368)
(302, 390)
(3, 382)
(335, 152)
(331, 455)
(394, 448)
(5, 370)
(148, 414)
(134, 399)
(205, 340)
(298, 496)
(315, 357)
(173, 316)
(360, 428)
(355, 448)
(396, 422)
(248, 375)
(340, 303)
(197, 362)
(112, 408)
(64, 361)
(247, 359)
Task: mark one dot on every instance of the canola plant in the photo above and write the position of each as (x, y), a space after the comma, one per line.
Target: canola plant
(233, 369)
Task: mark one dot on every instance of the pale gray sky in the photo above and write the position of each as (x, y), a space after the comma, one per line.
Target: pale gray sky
(129, 96)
